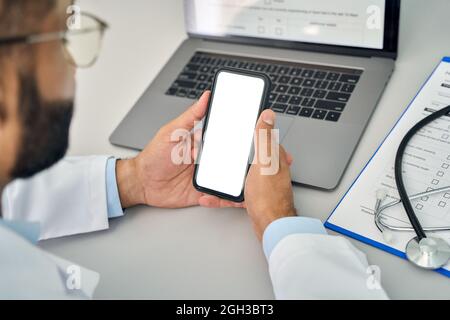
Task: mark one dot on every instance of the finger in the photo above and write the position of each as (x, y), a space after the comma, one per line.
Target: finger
(289, 158)
(196, 143)
(193, 114)
(209, 201)
(264, 126)
(284, 157)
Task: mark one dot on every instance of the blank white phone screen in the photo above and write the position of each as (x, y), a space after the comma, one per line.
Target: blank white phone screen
(229, 134)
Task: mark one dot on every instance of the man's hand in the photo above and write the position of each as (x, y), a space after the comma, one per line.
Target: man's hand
(153, 178)
(268, 196)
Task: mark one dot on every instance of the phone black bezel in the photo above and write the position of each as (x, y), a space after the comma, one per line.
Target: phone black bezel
(262, 107)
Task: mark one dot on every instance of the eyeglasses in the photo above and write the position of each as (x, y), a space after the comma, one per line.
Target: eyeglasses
(81, 43)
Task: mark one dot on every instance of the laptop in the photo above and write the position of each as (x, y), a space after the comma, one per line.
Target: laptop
(329, 62)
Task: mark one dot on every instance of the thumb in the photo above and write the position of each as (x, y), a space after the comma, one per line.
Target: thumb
(193, 114)
(264, 126)
(266, 120)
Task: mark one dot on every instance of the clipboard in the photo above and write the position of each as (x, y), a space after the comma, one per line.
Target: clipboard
(342, 221)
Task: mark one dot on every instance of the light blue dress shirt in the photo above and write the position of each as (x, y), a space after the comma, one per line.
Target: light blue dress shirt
(283, 227)
(114, 206)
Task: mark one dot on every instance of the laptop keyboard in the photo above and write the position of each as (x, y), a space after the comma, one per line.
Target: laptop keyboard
(304, 90)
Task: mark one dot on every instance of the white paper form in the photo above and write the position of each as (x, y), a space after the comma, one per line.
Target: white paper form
(426, 166)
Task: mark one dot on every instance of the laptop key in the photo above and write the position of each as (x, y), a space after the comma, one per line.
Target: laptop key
(319, 114)
(295, 100)
(187, 76)
(348, 88)
(294, 90)
(293, 110)
(308, 102)
(198, 93)
(296, 81)
(272, 68)
(333, 116)
(273, 77)
(192, 94)
(185, 84)
(281, 88)
(307, 73)
(306, 112)
(204, 60)
(350, 78)
(338, 96)
(283, 98)
(171, 91)
(195, 58)
(272, 97)
(320, 94)
(283, 70)
(278, 107)
(285, 79)
(192, 67)
(335, 86)
(182, 93)
(320, 75)
(295, 72)
(202, 86)
(321, 84)
(309, 83)
(333, 76)
(329, 105)
(307, 92)
(260, 67)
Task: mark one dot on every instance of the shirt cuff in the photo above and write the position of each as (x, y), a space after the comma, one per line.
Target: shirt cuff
(283, 227)
(114, 206)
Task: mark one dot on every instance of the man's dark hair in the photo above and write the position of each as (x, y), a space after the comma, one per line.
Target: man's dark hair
(17, 17)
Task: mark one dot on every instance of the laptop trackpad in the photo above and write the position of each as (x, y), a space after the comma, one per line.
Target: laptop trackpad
(283, 123)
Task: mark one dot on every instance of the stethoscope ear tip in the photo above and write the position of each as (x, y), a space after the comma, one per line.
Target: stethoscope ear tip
(381, 194)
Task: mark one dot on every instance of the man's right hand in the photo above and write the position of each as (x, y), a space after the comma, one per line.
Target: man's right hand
(268, 195)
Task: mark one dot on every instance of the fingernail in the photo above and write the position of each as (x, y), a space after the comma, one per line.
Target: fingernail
(269, 118)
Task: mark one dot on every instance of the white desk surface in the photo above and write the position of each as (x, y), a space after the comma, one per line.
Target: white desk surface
(200, 253)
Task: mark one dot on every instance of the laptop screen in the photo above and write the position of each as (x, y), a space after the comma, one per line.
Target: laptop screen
(349, 23)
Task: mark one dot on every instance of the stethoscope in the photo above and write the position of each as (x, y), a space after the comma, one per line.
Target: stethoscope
(422, 250)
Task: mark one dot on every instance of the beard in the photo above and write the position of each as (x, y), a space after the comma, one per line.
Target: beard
(45, 130)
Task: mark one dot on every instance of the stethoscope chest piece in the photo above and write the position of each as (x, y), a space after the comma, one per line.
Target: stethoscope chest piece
(428, 253)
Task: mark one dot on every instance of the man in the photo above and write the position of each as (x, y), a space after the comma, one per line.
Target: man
(80, 194)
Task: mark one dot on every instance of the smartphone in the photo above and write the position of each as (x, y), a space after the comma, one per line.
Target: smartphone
(237, 99)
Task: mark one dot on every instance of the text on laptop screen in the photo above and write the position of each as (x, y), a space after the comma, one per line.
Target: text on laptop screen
(354, 23)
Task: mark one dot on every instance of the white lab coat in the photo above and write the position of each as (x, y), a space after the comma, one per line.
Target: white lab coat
(70, 198)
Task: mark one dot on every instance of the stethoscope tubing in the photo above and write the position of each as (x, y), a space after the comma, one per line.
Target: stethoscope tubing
(405, 199)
